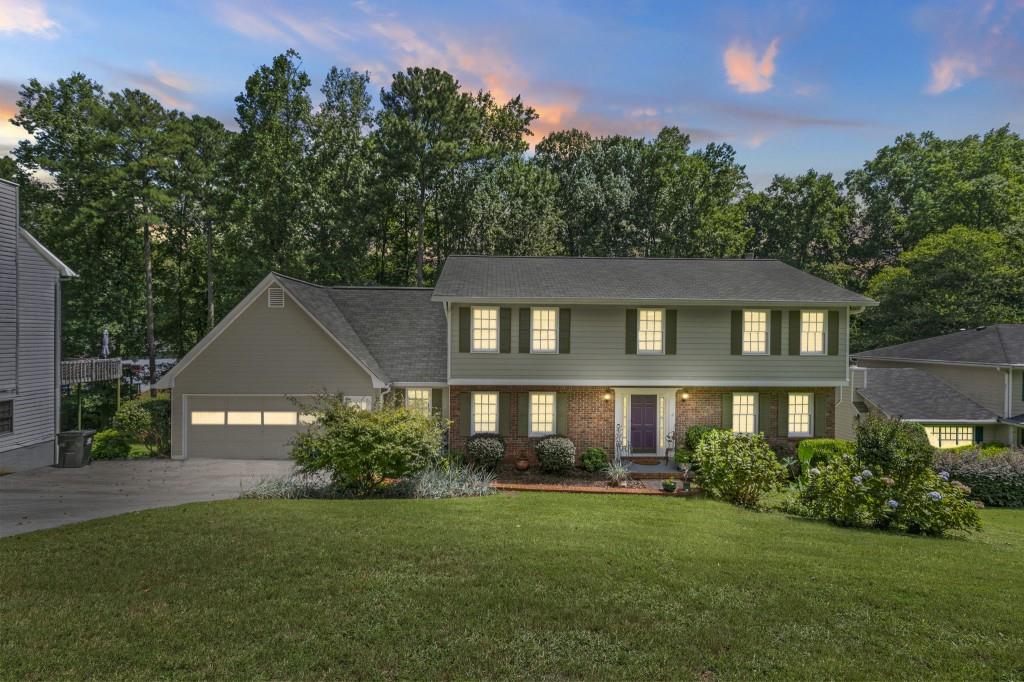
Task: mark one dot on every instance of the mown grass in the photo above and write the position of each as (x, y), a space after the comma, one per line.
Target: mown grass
(524, 586)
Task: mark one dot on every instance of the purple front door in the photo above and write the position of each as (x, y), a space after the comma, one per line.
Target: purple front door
(643, 423)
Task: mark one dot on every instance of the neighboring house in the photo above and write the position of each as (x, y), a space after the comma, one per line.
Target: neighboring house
(597, 349)
(29, 342)
(966, 387)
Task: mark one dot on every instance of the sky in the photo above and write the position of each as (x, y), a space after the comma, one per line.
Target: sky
(791, 85)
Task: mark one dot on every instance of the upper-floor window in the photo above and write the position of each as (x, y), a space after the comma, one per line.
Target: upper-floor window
(812, 332)
(744, 412)
(755, 332)
(800, 416)
(544, 330)
(485, 413)
(650, 330)
(485, 330)
(418, 400)
(542, 414)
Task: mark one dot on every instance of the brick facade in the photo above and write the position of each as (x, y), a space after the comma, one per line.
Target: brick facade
(704, 406)
(591, 421)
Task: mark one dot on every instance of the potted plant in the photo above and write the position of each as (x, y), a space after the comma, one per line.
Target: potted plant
(669, 485)
(522, 463)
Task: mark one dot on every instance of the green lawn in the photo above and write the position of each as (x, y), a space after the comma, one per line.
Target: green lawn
(528, 585)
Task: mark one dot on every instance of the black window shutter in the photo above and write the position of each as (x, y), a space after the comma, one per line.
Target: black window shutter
(504, 403)
(562, 414)
(523, 414)
(670, 332)
(979, 434)
(465, 328)
(833, 332)
(736, 335)
(464, 413)
(783, 415)
(727, 410)
(764, 404)
(820, 412)
(794, 332)
(776, 332)
(564, 330)
(505, 330)
(524, 330)
(437, 400)
(631, 331)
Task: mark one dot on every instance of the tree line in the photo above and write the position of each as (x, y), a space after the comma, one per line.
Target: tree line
(170, 219)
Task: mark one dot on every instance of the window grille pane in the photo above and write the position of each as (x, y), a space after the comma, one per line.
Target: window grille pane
(800, 414)
(950, 436)
(744, 412)
(280, 418)
(418, 400)
(812, 332)
(542, 413)
(755, 331)
(544, 330)
(200, 418)
(650, 331)
(485, 413)
(485, 329)
(245, 418)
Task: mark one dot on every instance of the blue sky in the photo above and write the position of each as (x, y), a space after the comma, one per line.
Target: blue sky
(792, 85)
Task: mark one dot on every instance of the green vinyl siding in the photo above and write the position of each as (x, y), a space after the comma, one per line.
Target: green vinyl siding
(703, 355)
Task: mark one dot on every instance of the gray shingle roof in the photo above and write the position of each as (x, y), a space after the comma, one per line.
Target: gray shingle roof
(916, 395)
(634, 279)
(398, 333)
(997, 344)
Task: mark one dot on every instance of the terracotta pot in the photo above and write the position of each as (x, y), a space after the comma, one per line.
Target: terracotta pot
(522, 464)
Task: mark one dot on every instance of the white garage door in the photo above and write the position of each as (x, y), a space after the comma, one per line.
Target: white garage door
(241, 427)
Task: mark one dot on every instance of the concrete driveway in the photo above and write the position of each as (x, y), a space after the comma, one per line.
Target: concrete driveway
(48, 497)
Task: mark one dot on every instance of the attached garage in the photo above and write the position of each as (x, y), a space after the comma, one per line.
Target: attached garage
(241, 427)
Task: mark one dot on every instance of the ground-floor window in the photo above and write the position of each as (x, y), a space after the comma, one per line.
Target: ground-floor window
(542, 414)
(361, 401)
(800, 417)
(950, 436)
(485, 413)
(418, 400)
(744, 412)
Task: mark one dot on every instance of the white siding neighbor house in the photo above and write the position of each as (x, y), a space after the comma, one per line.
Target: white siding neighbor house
(29, 342)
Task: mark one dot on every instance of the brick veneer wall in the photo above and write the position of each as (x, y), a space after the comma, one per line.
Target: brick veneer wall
(591, 420)
(705, 407)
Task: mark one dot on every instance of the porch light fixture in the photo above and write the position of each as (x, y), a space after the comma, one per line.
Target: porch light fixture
(685, 396)
(607, 395)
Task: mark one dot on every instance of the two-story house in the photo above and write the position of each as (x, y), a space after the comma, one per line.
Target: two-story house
(30, 279)
(602, 350)
(965, 387)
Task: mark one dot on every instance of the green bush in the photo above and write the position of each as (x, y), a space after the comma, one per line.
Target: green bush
(884, 485)
(815, 451)
(485, 450)
(110, 444)
(360, 448)
(736, 467)
(985, 449)
(148, 421)
(594, 459)
(694, 434)
(995, 480)
(556, 454)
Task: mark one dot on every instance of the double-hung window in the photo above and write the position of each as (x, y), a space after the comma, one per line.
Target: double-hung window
(485, 330)
(801, 415)
(418, 400)
(755, 332)
(485, 413)
(812, 332)
(650, 331)
(744, 412)
(542, 414)
(544, 330)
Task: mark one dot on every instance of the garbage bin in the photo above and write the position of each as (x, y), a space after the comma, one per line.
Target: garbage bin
(75, 448)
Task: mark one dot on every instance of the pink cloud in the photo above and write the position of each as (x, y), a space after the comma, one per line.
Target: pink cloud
(949, 73)
(271, 23)
(746, 71)
(26, 16)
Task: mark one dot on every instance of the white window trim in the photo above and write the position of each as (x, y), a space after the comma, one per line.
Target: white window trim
(497, 329)
(756, 415)
(430, 398)
(767, 331)
(472, 411)
(554, 415)
(650, 352)
(810, 416)
(824, 333)
(553, 351)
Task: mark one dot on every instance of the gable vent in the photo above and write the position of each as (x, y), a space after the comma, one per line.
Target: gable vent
(275, 297)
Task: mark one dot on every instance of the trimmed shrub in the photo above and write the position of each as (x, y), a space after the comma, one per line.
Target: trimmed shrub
(736, 467)
(815, 451)
(985, 449)
(556, 454)
(438, 481)
(290, 487)
(148, 421)
(995, 480)
(694, 434)
(360, 448)
(485, 450)
(886, 484)
(594, 459)
(110, 444)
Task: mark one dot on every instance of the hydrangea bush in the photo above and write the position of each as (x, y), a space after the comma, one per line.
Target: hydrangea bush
(556, 454)
(888, 483)
(738, 468)
(485, 450)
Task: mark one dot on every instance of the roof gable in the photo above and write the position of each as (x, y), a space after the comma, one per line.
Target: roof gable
(918, 395)
(998, 344)
(555, 278)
